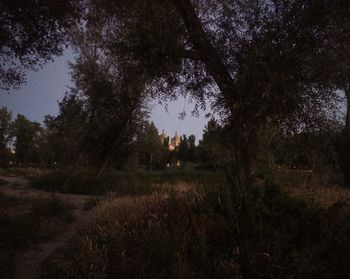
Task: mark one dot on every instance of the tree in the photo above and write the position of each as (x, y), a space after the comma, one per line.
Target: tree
(31, 33)
(213, 147)
(26, 134)
(5, 135)
(192, 148)
(183, 150)
(65, 133)
(334, 67)
(166, 154)
(252, 57)
(187, 149)
(149, 146)
(113, 95)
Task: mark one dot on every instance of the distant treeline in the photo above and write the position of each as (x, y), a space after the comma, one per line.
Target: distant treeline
(61, 142)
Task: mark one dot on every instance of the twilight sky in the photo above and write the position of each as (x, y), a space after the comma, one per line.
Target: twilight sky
(44, 88)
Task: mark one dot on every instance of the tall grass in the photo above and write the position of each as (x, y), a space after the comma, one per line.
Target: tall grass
(310, 186)
(269, 235)
(122, 183)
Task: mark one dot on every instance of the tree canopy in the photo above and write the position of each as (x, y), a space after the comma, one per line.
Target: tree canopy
(255, 60)
(31, 33)
(260, 63)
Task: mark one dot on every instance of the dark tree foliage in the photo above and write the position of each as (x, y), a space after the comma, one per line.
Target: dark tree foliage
(5, 135)
(31, 33)
(316, 149)
(212, 149)
(65, 132)
(113, 95)
(183, 150)
(26, 134)
(192, 148)
(187, 149)
(336, 67)
(149, 146)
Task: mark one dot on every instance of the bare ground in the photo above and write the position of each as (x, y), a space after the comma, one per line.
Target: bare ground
(28, 263)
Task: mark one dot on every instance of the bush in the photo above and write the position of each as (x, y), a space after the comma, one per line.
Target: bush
(51, 182)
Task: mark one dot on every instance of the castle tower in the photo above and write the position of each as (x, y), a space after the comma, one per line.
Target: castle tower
(175, 142)
(162, 136)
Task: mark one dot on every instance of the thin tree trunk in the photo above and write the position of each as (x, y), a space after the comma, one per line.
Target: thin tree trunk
(347, 140)
(119, 130)
(102, 169)
(77, 163)
(81, 154)
(249, 155)
(246, 152)
(107, 159)
(347, 124)
(73, 169)
(108, 154)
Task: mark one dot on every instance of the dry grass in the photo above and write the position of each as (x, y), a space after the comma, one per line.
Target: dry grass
(121, 210)
(306, 185)
(185, 230)
(181, 232)
(322, 195)
(122, 234)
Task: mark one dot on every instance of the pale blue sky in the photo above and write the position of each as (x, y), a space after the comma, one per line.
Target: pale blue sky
(45, 87)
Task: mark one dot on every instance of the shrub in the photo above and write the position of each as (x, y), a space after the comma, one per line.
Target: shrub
(51, 182)
(285, 237)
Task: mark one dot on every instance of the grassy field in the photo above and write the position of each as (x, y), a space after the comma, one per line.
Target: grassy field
(273, 232)
(187, 225)
(313, 187)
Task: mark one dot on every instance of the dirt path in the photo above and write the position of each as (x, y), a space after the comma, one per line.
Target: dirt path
(18, 187)
(29, 263)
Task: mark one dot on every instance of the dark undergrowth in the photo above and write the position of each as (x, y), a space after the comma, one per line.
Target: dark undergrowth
(268, 235)
(122, 183)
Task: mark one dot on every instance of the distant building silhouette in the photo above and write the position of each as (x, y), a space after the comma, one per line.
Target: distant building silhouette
(174, 142)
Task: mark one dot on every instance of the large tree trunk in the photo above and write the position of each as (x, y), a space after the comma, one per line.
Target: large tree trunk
(245, 131)
(248, 153)
(207, 53)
